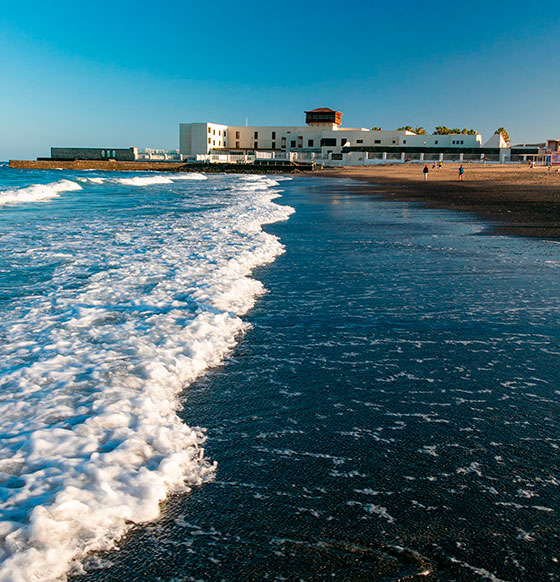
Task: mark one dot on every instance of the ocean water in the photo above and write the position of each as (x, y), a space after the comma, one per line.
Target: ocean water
(393, 414)
(117, 290)
(389, 409)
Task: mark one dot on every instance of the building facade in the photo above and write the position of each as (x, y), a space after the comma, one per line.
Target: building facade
(324, 137)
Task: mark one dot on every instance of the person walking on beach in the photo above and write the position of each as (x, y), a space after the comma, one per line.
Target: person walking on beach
(426, 170)
(461, 172)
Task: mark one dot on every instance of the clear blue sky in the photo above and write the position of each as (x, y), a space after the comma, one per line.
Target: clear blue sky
(112, 74)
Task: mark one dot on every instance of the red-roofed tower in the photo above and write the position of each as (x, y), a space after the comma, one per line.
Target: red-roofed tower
(323, 117)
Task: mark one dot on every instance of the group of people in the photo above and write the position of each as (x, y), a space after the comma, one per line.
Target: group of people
(439, 165)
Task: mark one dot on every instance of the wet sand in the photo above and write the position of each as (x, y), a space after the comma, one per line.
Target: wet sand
(517, 199)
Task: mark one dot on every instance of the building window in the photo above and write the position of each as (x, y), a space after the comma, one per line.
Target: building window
(404, 140)
(214, 142)
(210, 141)
(273, 135)
(343, 141)
(115, 155)
(224, 133)
(236, 135)
(377, 141)
(236, 145)
(256, 145)
(209, 130)
(213, 132)
(394, 141)
(102, 153)
(256, 135)
(359, 141)
(436, 142)
(273, 145)
(293, 143)
(462, 142)
(310, 143)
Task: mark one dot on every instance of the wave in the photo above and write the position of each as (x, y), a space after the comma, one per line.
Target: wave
(144, 180)
(37, 192)
(92, 180)
(159, 179)
(95, 442)
(188, 176)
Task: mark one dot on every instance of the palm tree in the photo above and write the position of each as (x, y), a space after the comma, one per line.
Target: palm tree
(420, 131)
(376, 128)
(442, 130)
(405, 128)
(503, 132)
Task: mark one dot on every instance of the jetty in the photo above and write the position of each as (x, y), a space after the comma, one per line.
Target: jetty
(255, 167)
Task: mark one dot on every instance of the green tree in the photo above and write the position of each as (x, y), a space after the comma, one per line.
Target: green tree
(442, 130)
(405, 128)
(420, 130)
(503, 132)
(376, 128)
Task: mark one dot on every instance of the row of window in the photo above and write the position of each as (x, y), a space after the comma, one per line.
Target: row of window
(213, 131)
(107, 154)
(310, 142)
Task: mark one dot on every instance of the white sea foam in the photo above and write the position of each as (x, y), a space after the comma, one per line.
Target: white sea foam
(145, 180)
(92, 180)
(160, 179)
(188, 176)
(37, 192)
(91, 376)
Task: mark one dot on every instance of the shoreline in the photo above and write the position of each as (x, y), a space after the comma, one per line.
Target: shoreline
(518, 200)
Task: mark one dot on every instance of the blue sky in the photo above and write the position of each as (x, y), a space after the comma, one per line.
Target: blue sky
(116, 74)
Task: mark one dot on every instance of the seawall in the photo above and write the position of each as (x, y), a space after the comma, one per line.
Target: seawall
(111, 165)
(94, 165)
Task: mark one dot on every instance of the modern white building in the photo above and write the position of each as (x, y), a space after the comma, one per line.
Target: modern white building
(324, 138)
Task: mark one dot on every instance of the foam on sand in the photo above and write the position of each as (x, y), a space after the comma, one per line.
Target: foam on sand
(37, 192)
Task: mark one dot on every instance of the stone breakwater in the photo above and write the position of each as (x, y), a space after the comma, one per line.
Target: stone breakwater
(94, 165)
(112, 165)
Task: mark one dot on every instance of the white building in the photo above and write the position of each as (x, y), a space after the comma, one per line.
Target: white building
(325, 138)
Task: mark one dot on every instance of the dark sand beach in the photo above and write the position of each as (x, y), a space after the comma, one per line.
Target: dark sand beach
(516, 199)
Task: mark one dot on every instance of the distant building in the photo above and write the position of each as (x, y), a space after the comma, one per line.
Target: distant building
(324, 138)
(118, 154)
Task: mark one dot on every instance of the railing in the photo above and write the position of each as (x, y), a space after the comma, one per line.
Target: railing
(159, 155)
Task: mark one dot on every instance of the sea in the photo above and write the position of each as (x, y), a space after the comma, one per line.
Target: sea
(259, 377)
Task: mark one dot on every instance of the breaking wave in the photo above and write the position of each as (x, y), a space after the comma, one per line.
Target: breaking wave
(37, 192)
(92, 370)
